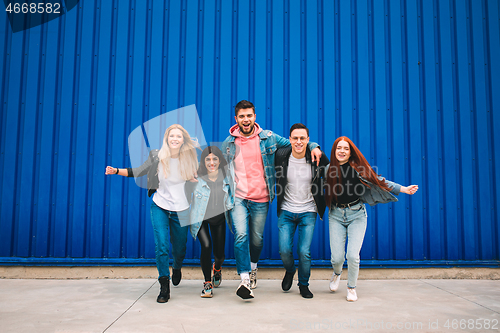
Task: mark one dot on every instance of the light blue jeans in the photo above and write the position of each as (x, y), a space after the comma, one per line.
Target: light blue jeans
(167, 228)
(249, 220)
(287, 224)
(351, 223)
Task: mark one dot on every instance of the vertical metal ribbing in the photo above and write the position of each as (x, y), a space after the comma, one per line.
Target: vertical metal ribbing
(413, 83)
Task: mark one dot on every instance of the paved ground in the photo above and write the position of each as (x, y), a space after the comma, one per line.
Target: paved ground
(129, 305)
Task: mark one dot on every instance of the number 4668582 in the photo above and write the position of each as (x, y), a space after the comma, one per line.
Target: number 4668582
(33, 8)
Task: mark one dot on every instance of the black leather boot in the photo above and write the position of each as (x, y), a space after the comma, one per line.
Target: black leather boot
(305, 292)
(286, 284)
(164, 289)
(176, 276)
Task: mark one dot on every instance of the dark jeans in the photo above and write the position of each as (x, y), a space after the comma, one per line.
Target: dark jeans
(287, 224)
(167, 228)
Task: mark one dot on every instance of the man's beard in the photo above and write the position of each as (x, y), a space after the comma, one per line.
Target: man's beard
(249, 131)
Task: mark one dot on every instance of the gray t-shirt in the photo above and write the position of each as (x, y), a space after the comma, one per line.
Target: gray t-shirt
(298, 196)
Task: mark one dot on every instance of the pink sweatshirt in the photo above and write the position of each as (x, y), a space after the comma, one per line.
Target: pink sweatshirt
(248, 166)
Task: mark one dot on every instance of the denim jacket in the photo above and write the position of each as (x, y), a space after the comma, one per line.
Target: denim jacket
(374, 195)
(201, 194)
(269, 143)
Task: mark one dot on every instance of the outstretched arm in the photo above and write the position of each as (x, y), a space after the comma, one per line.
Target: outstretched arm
(134, 172)
(411, 189)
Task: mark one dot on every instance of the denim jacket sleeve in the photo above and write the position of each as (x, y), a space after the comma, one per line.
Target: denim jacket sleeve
(281, 142)
(198, 206)
(374, 195)
(395, 187)
(224, 148)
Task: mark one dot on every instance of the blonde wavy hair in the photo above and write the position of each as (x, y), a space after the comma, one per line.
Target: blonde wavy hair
(188, 161)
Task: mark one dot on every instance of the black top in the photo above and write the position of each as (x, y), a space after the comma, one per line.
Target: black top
(214, 214)
(351, 188)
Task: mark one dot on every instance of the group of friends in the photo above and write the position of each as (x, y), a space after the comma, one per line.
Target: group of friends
(235, 185)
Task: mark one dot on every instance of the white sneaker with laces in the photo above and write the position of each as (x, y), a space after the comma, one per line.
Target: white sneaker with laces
(244, 290)
(334, 282)
(351, 295)
(253, 279)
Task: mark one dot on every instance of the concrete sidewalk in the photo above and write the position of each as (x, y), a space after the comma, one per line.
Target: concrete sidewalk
(129, 305)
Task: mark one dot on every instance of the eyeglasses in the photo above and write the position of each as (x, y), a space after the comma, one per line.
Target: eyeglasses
(295, 138)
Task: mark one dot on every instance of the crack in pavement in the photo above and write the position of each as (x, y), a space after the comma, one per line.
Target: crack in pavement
(129, 307)
(468, 300)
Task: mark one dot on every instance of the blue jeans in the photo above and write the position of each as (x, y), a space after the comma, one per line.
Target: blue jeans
(249, 219)
(351, 223)
(167, 222)
(287, 223)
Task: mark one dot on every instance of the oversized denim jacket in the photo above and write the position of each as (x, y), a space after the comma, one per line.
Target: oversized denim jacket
(201, 194)
(374, 195)
(269, 143)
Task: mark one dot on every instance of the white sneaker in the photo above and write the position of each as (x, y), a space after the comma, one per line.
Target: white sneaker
(244, 290)
(351, 295)
(253, 279)
(334, 282)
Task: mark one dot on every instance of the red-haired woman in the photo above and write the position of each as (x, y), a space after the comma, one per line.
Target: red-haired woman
(351, 182)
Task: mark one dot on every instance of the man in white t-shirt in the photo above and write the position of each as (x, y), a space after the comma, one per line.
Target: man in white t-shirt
(299, 189)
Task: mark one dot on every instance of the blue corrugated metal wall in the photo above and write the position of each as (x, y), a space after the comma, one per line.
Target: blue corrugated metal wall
(414, 83)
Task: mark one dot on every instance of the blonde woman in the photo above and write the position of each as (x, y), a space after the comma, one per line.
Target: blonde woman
(168, 169)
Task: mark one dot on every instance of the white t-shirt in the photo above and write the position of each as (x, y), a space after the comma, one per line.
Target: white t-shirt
(170, 194)
(298, 196)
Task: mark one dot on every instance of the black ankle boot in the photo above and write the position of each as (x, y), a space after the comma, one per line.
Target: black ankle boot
(286, 284)
(176, 276)
(164, 289)
(305, 292)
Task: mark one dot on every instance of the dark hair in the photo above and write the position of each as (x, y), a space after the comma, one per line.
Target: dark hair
(243, 104)
(298, 126)
(356, 161)
(202, 169)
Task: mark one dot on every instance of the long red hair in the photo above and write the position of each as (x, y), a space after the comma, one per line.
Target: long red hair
(358, 162)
